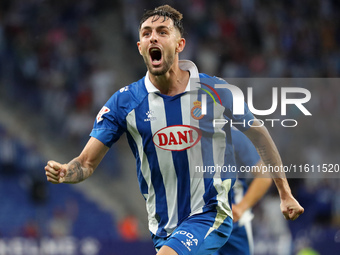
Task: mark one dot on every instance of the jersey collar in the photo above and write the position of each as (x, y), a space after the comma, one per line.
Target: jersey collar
(185, 65)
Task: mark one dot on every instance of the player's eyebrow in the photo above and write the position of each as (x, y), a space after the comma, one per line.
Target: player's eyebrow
(157, 28)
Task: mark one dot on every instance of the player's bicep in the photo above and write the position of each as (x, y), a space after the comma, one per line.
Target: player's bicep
(93, 153)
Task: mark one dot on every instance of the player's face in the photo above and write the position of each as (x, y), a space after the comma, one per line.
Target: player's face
(159, 44)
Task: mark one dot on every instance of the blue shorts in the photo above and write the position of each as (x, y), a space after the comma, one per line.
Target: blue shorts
(240, 242)
(200, 234)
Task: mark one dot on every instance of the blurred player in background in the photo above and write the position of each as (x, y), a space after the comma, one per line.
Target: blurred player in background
(244, 197)
(187, 214)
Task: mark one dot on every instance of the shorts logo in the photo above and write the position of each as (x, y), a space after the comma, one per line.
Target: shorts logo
(189, 242)
(189, 239)
(104, 110)
(196, 111)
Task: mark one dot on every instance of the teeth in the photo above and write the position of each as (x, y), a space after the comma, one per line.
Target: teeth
(152, 50)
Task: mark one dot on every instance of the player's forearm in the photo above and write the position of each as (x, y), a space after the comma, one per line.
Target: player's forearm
(77, 171)
(264, 144)
(282, 187)
(269, 155)
(84, 165)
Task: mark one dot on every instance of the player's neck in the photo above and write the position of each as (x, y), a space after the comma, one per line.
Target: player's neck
(172, 82)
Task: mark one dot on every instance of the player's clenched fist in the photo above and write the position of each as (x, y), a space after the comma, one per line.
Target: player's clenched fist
(291, 208)
(55, 172)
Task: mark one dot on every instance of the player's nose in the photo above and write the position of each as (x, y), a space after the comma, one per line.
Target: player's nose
(153, 37)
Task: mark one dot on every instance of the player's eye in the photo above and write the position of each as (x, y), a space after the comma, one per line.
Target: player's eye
(146, 33)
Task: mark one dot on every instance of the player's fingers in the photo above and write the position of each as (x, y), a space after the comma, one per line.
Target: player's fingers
(292, 213)
(54, 165)
(285, 211)
(286, 215)
(62, 172)
(61, 179)
(295, 213)
(55, 172)
(236, 215)
(52, 175)
(51, 170)
(52, 178)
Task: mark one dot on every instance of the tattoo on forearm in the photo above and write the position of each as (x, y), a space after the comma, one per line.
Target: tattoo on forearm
(264, 155)
(75, 172)
(270, 161)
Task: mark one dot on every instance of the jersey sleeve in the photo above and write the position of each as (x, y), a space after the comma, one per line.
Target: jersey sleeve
(110, 124)
(242, 121)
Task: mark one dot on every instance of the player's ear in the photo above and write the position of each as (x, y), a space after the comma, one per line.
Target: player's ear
(139, 47)
(180, 45)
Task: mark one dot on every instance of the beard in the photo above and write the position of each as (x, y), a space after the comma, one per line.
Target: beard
(166, 65)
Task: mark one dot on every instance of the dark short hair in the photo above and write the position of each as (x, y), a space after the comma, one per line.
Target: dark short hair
(167, 12)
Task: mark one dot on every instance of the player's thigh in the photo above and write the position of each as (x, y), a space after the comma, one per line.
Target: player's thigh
(166, 250)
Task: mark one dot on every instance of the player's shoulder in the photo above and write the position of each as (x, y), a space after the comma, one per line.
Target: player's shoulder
(212, 79)
(214, 82)
(217, 86)
(134, 90)
(130, 95)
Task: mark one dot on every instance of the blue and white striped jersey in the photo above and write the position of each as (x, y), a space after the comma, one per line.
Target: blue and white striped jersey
(174, 143)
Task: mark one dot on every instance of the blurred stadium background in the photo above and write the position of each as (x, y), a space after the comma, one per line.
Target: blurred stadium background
(60, 60)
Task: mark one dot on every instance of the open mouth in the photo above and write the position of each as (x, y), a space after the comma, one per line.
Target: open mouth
(156, 55)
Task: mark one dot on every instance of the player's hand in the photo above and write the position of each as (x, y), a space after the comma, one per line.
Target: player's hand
(290, 208)
(237, 212)
(55, 172)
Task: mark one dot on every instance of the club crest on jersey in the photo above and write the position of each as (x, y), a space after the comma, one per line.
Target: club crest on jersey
(196, 111)
(177, 137)
(104, 110)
